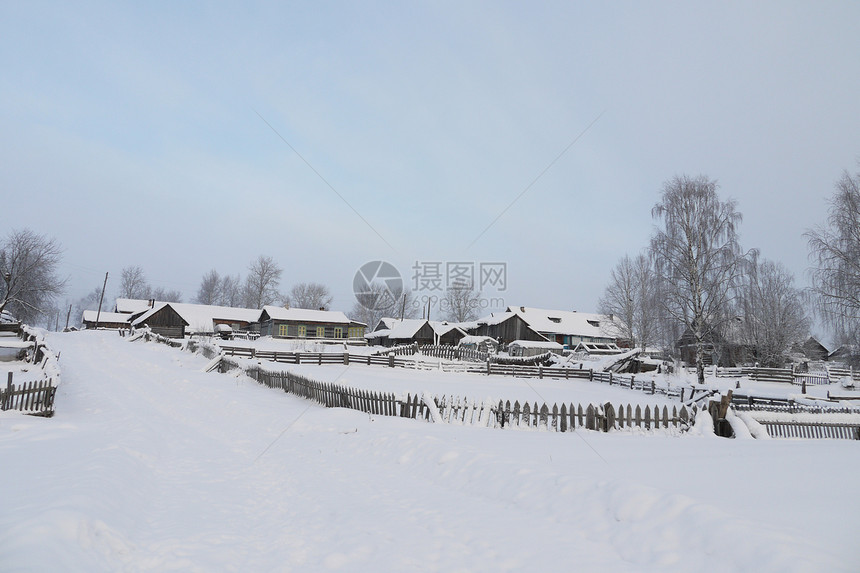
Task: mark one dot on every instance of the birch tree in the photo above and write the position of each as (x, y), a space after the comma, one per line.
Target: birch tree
(309, 295)
(461, 302)
(835, 249)
(133, 284)
(28, 269)
(696, 251)
(261, 284)
(210, 289)
(630, 297)
(774, 316)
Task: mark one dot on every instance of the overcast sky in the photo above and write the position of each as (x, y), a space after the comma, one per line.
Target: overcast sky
(146, 134)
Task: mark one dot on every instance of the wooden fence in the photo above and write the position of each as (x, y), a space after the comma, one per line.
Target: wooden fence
(36, 397)
(334, 395)
(813, 430)
(565, 418)
(787, 375)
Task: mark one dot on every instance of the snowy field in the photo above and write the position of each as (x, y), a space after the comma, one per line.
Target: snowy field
(151, 464)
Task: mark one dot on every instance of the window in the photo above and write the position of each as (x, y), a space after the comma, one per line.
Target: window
(303, 331)
(321, 332)
(594, 323)
(356, 331)
(338, 332)
(283, 330)
(554, 319)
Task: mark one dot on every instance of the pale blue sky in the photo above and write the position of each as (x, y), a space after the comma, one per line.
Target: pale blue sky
(131, 134)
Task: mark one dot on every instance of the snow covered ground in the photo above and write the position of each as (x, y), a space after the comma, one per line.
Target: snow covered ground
(151, 464)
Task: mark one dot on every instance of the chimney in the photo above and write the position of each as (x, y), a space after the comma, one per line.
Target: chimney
(522, 309)
(322, 308)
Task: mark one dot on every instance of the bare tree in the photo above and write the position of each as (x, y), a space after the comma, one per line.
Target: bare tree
(164, 295)
(28, 267)
(231, 291)
(630, 297)
(377, 303)
(89, 301)
(261, 284)
(697, 254)
(210, 289)
(309, 295)
(774, 316)
(461, 303)
(835, 248)
(134, 284)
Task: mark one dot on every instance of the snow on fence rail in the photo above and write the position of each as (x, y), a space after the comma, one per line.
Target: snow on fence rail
(787, 375)
(35, 397)
(813, 430)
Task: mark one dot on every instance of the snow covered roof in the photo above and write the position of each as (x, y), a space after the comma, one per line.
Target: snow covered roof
(402, 329)
(305, 315)
(565, 321)
(406, 328)
(494, 318)
(201, 317)
(477, 340)
(90, 316)
(142, 318)
(131, 305)
(536, 344)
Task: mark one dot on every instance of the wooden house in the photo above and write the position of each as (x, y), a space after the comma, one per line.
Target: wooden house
(161, 319)
(396, 332)
(302, 323)
(814, 350)
(568, 328)
(112, 320)
(504, 327)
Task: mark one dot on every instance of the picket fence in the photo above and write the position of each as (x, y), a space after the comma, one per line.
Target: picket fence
(788, 375)
(813, 430)
(36, 397)
(564, 418)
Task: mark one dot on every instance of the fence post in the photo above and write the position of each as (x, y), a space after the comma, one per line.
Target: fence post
(8, 396)
(391, 360)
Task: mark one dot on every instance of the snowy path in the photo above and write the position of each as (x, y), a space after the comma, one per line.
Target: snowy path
(151, 464)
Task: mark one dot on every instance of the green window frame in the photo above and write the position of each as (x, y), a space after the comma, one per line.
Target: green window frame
(283, 330)
(303, 331)
(321, 332)
(338, 332)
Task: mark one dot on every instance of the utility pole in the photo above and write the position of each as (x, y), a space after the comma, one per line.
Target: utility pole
(68, 314)
(101, 298)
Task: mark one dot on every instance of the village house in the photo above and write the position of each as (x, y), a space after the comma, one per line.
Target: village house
(302, 323)
(112, 320)
(396, 332)
(162, 319)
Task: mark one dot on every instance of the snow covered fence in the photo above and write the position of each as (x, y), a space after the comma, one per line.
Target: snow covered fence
(401, 350)
(333, 395)
(564, 418)
(814, 430)
(448, 352)
(37, 396)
